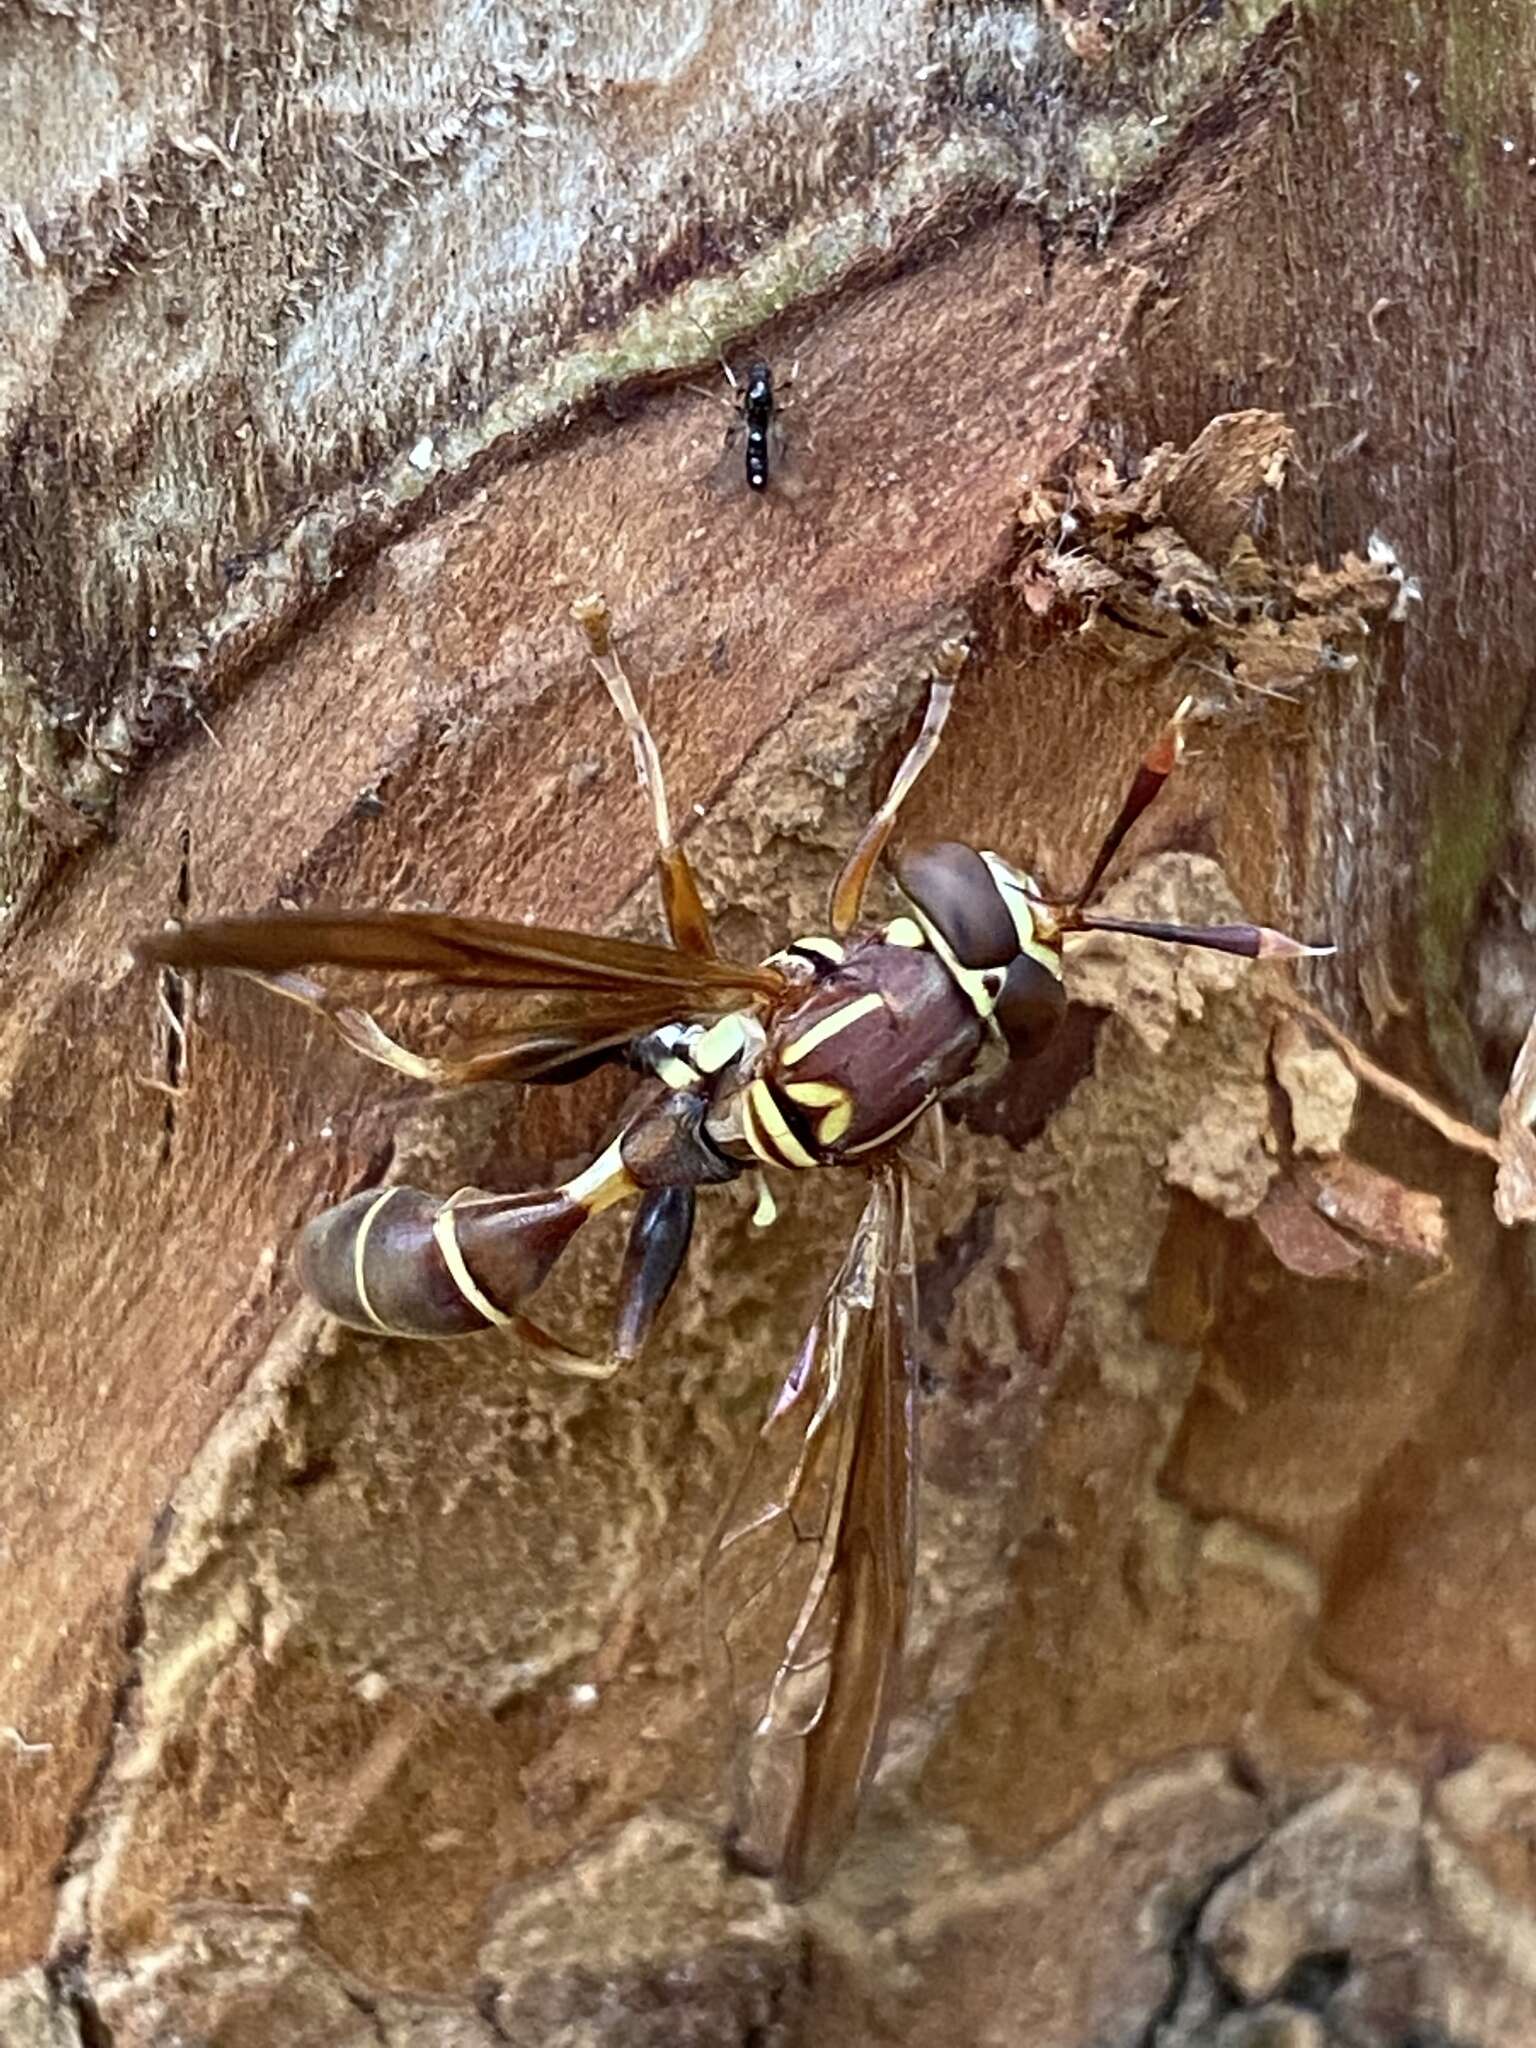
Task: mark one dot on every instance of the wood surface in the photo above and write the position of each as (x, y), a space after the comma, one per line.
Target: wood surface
(352, 1692)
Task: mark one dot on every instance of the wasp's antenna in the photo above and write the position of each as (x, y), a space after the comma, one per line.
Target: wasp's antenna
(1252, 941)
(731, 404)
(1157, 764)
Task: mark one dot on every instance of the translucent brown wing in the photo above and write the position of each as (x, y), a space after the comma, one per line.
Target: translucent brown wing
(809, 1579)
(574, 998)
(458, 952)
(546, 1041)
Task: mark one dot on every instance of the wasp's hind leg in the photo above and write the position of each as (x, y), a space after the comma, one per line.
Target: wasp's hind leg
(653, 1258)
(687, 922)
(669, 1155)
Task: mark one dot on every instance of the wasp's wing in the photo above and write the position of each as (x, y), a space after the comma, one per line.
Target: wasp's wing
(574, 998)
(556, 1041)
(809, 1579)
(457, 952)
(727, 474)
(787, 472)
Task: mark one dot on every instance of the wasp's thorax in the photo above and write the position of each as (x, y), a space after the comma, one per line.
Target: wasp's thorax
(885, 1023)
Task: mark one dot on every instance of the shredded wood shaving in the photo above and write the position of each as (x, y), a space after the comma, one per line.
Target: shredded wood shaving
(1514, 1193)
(1451, 1128)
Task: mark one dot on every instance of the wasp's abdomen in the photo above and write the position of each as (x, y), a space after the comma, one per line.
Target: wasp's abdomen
(883, 1033)
(410, 1265)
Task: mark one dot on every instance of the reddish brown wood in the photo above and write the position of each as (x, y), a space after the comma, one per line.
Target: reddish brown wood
(1269, 1527)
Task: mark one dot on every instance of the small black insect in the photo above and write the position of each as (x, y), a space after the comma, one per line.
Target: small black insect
(756, 412)
(756, 400)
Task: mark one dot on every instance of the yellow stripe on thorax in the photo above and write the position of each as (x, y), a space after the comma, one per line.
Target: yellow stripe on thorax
(773, 1129)
(829, 1026)
(836, 1104)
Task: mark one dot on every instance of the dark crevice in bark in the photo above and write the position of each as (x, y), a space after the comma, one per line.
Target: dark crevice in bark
(1246, 1775)
(1188, 1958)
(1312, 1979)
(66, 1975)
(788, 1999)
(67, 1970)
(956, 1255)
(1050, 235)
(130, 1638)
(361, 2002)
(373, 1173)
(173, 996)
(1020, 1101)
(487, 1991)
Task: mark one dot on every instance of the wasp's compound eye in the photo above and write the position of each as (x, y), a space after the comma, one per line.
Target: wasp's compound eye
(953, 888)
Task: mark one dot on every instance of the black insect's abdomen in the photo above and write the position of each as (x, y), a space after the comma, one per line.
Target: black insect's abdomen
(757, 459)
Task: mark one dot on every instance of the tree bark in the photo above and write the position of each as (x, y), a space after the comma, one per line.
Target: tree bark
(352, 1691)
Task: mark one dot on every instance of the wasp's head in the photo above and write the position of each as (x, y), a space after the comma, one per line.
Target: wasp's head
(988, 921)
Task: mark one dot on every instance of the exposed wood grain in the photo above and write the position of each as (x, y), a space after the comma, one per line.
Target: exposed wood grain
(1262, 1518)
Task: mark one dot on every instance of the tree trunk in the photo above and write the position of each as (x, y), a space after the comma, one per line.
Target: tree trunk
(353, 1690)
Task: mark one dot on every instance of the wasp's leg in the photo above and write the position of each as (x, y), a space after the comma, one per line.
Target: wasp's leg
(928, 1168)
(667, 1154)
(653, 1258)
(787, 382)
(687, 923)
(848, 890)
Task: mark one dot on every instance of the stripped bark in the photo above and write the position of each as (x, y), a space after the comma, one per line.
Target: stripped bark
(352, 1691)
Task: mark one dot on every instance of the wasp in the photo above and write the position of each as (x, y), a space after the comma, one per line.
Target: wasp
(826, 1055)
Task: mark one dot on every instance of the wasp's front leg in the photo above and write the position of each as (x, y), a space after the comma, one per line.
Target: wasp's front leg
(848, 889)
